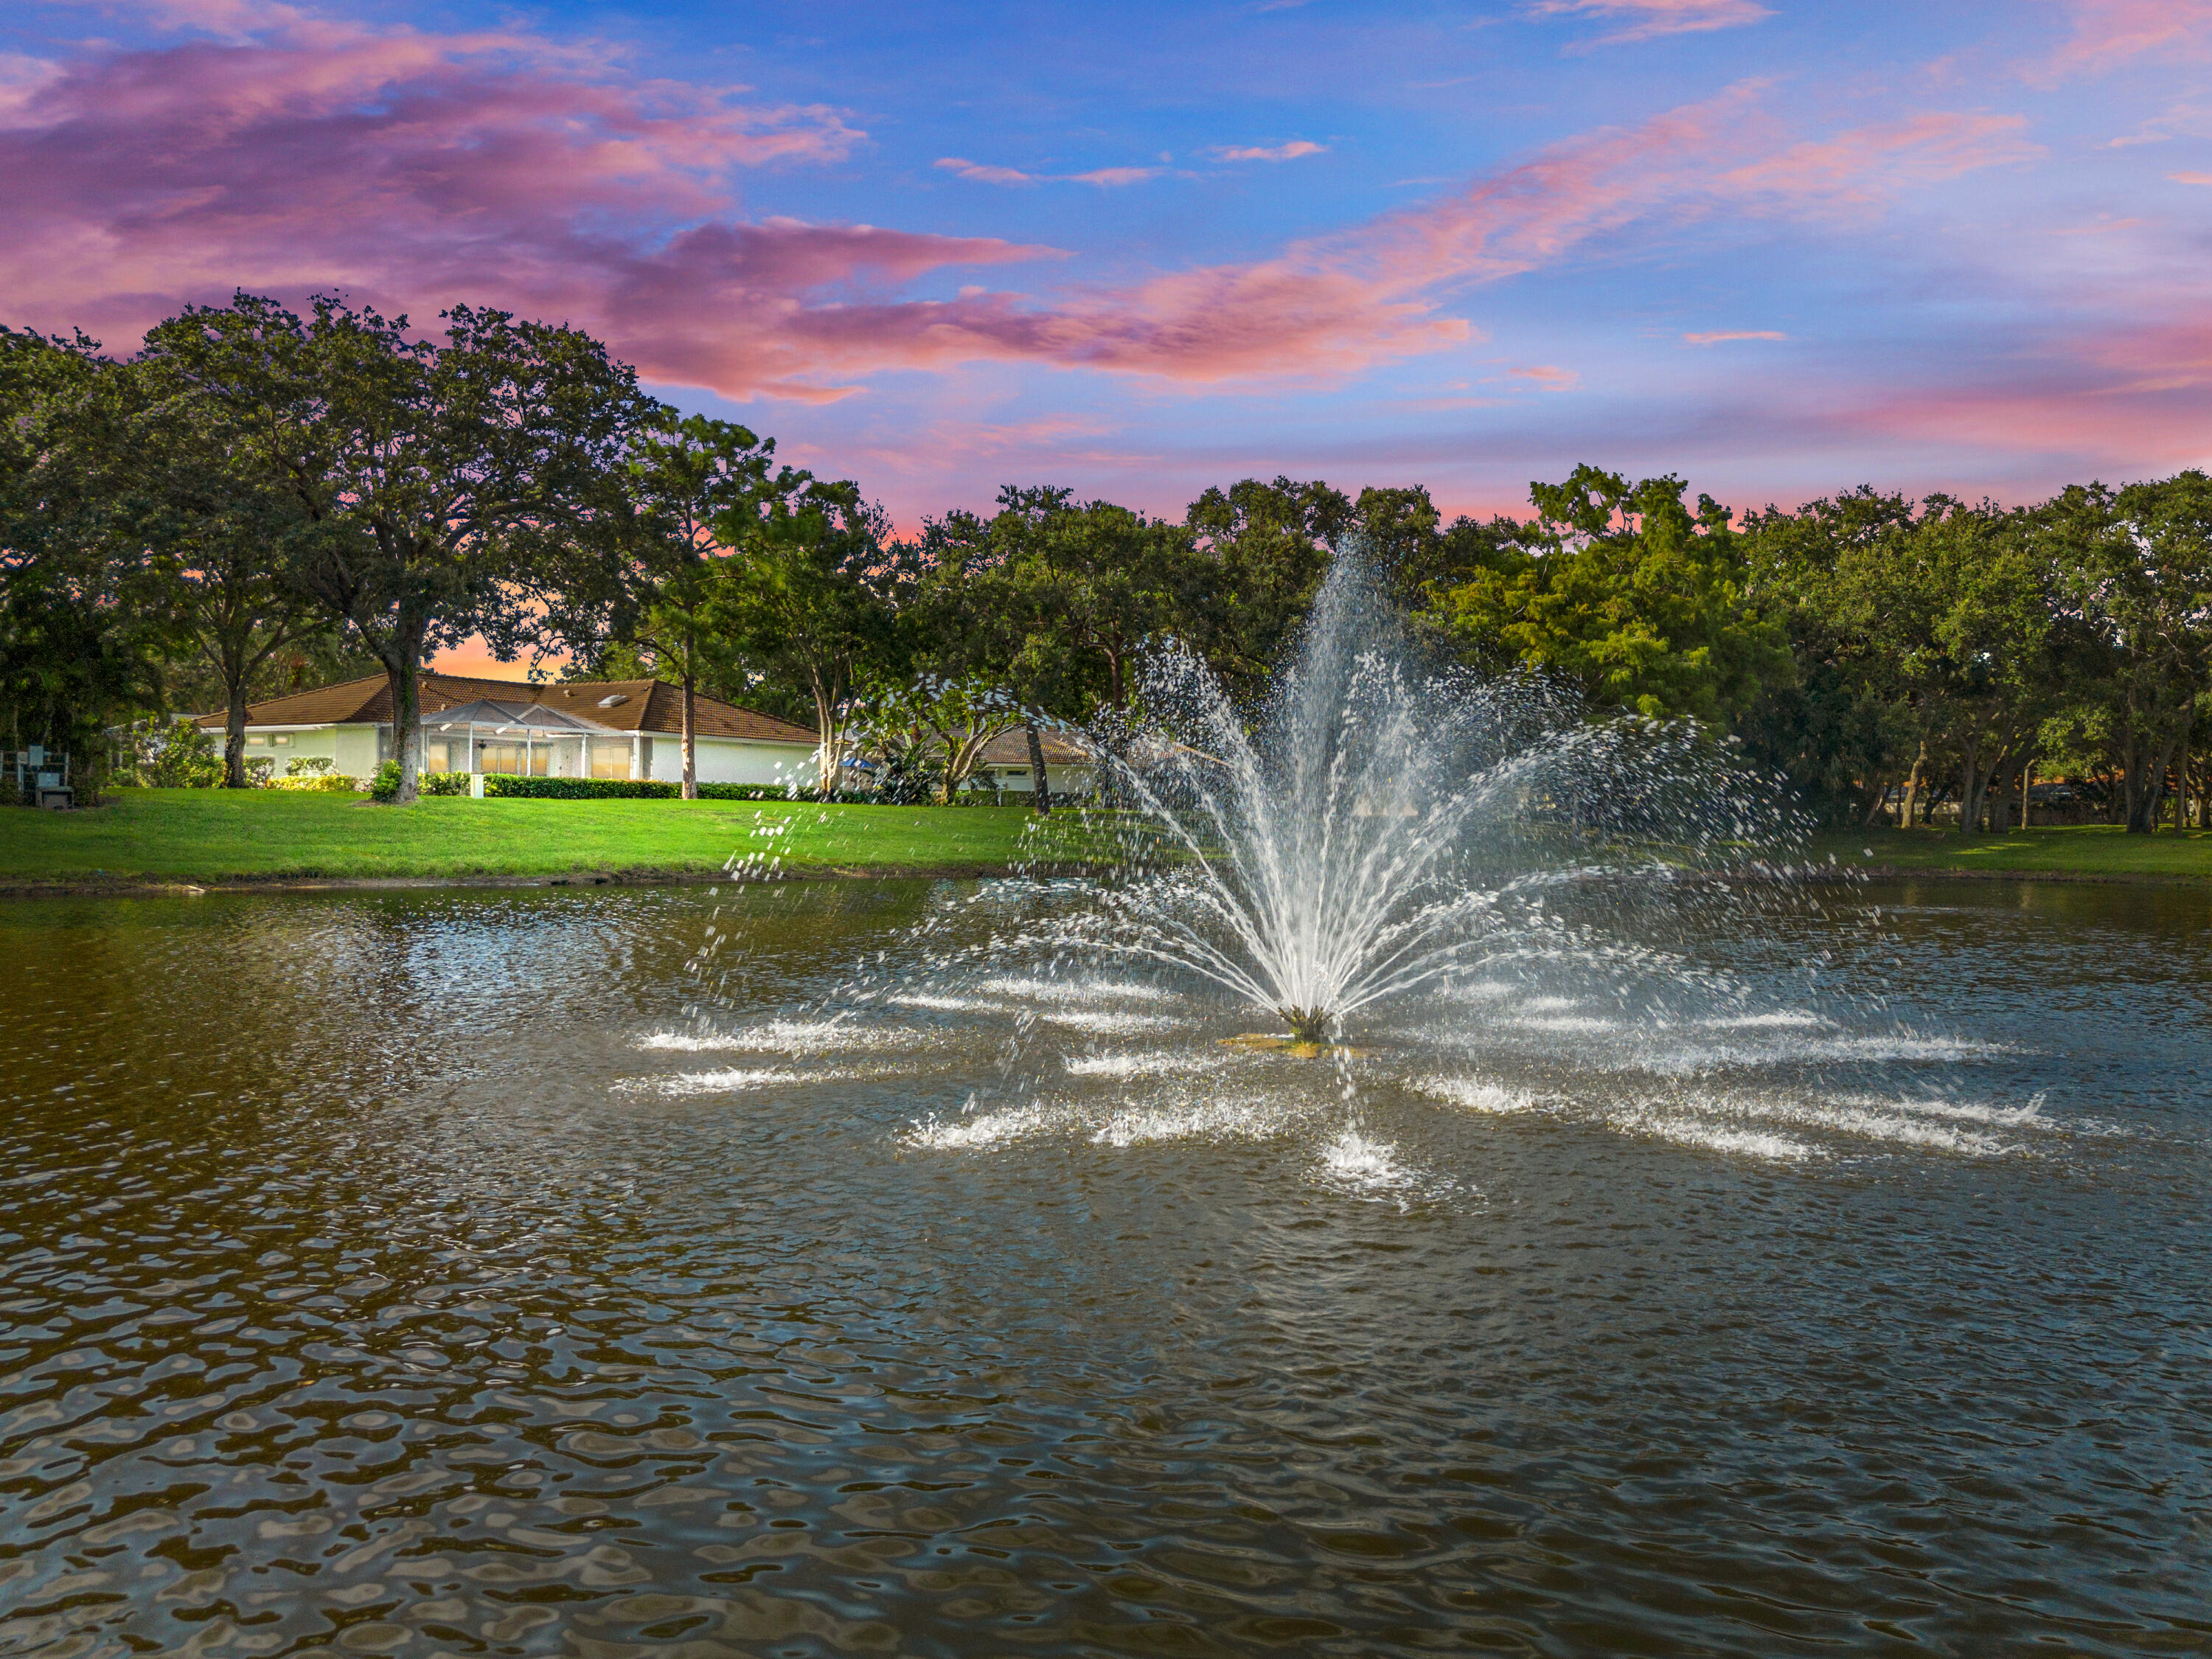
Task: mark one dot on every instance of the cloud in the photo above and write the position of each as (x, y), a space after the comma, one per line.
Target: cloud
(982, 174)
(2190, 178)
(1106, 178)
(1647, 18)
(1721, 336)
(415, 169)
(1869, 162)
(1113, 178)
(1550, 378)
(1289, 152)
(2110, 33)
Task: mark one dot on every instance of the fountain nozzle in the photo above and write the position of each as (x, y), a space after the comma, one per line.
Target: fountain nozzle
(1308, 1025)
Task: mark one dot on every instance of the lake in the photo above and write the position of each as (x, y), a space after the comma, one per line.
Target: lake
(766, 1271)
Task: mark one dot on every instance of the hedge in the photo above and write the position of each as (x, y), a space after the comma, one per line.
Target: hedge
(505, 784)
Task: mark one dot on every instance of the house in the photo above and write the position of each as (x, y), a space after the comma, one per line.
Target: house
(594, 729)
(1004, 763)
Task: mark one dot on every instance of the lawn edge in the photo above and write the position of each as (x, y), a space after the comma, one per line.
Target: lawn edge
(634, 876)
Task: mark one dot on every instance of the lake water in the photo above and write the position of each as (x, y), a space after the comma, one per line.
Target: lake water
(541, 1272)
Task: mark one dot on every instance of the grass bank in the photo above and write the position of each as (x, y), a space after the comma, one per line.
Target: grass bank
(212, 836)
(2087, 852)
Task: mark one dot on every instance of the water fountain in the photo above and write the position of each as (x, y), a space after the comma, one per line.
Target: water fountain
(1380, 823)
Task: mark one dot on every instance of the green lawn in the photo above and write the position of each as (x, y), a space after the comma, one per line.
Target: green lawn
(209, 836)
(2088, 849)
(204, 835)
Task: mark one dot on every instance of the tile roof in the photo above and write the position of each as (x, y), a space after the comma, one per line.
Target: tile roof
(1013, 749)
(650, 706)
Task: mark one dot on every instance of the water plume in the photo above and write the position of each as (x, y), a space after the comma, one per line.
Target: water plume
(1382, 820)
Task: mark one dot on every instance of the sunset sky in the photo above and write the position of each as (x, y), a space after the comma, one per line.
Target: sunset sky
(1778, 248)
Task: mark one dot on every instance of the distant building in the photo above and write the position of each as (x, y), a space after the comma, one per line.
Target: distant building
(597, 729)
(1004, 763)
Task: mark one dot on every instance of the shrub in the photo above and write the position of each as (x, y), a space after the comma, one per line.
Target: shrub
(444, 783)
(260, 771)
(387, 785)
(319, 783)
(175, 755)
(511, 788)
(302, 766)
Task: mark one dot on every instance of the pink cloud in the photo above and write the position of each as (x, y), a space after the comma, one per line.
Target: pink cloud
(1875, 160)
(1289, 152)
(2110, 33)
(1721, 336)
(415, 169)
(981, 173)
(1647, 18)
(1547, 377)
(1112, 177)
(2190, 178)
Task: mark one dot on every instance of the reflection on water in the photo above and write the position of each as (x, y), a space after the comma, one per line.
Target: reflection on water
(444, 1273)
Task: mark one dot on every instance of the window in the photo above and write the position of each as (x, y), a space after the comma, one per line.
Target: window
(280, 739)
(609, 762)
(437, 757)
(251, 739)
(616, 701)
(514, 759)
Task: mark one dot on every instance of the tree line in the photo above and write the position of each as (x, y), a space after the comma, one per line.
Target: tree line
(258, 501)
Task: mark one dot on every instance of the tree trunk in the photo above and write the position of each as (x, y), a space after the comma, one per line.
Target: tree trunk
(690, 738)
(2146, 777)
(1913, 786)
(1972, 781)
(828, 753)
(1040, 785)
(2000, 798)
(403, 672)
(234, 739)
(2026, 786)
(1879, 805)
(2181, 767)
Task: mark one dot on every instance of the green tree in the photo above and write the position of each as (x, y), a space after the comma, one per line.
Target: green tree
(804, 600)
(216, 528)
(76, 655)
(1263, 549)
(471, 485)
(693, 481)
(1626, 591)
(2134, 569)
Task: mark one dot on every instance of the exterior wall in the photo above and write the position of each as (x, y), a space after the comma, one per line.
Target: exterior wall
(357, 750)
(731, 760)
(313, 742)
(1015, 780)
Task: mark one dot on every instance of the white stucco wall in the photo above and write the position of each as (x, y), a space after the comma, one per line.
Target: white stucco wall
(728, 760)
(355, 750)
(1062, 780)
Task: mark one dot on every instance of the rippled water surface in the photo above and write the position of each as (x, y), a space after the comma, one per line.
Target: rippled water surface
(461, 1272)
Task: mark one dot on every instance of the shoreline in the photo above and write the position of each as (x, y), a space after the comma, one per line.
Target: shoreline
(637, 876)
(647, 876)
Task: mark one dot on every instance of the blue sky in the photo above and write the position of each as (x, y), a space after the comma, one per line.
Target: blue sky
(1779, 248)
